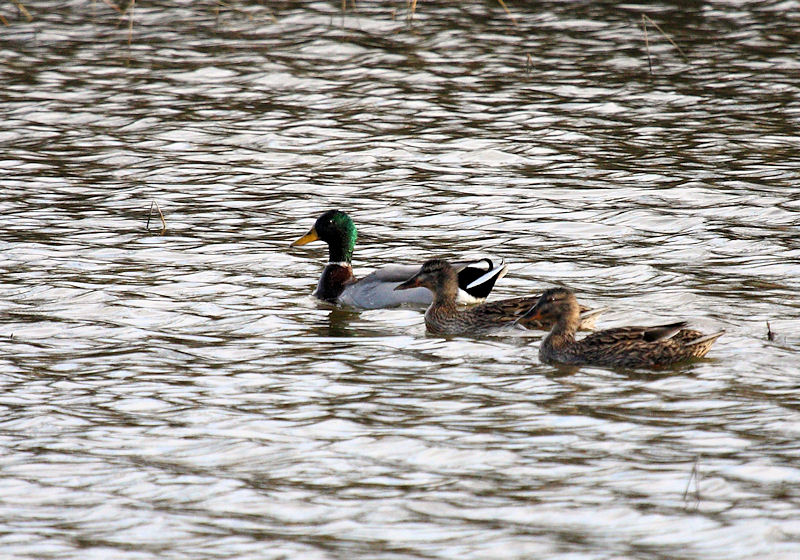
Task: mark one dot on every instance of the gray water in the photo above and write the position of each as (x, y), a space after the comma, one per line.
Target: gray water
(183, 396)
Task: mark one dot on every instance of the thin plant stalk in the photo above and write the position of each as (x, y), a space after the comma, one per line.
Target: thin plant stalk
(645, 17)
(695, 475)
(130, 24)
(647, 43)
(22, 10)
(161, 215)
(508, 13)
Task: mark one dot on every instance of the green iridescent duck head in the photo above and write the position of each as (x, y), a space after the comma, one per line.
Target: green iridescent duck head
(336, 229)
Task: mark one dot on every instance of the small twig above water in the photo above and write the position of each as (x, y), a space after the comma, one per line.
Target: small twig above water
(645, 20)
(160, 213)
(130, 24)
(647, 44)
(412, 7)
(770, 334)
(695, 475)
(508, 13)
(22, 10)
(128, 8)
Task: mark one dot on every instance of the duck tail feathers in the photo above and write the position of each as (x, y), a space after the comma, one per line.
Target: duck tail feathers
(707, 339)
(477, 281)
(589, 317)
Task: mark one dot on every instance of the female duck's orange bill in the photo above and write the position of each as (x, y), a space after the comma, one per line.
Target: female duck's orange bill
(412, 282)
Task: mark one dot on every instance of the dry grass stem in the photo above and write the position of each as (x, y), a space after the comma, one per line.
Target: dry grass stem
(149, 215)
(130, 24)
(646, 18)
(4, 20)
(647, 44)
(508, 13)
(23, 10)
(695, 475)
(160, 214)
(122, 13)
(412, 9)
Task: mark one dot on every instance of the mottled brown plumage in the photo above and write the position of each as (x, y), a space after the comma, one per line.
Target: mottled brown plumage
(444, 317)
(632, 347)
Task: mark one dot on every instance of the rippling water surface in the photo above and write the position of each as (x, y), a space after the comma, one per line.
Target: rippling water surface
(182, 395)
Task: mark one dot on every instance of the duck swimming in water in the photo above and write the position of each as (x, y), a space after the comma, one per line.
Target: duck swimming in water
(337, 284)
(628, 347)
(444, 317)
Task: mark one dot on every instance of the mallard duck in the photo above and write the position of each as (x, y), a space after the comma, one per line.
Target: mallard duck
(376, 290)
(630, 347)
(444, 317)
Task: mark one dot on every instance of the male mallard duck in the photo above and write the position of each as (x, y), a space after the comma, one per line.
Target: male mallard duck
(630, 347)
(376, 290)
(443, 317)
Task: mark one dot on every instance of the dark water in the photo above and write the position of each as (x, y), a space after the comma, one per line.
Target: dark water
(182, 396)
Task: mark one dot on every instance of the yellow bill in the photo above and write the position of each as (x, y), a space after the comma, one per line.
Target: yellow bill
(307, 238)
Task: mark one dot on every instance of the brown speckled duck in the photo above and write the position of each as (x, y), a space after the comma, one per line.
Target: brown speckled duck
(627, 347)
(376, 290)
(444, 317)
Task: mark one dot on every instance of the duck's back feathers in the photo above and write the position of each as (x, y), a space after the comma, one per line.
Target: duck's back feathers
(641, 334)
(633, 347)
(495, 317)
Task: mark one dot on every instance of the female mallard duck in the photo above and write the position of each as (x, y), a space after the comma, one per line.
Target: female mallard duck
(376, 290)
(630, 347)
(443, 317)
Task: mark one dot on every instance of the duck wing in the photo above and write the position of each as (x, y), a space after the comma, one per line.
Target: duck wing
(507, 310)
(611, 337)
(635, 347)
(513, 311)
(376, 290)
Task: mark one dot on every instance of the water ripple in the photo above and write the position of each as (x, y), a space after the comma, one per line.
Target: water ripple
(182, 394)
